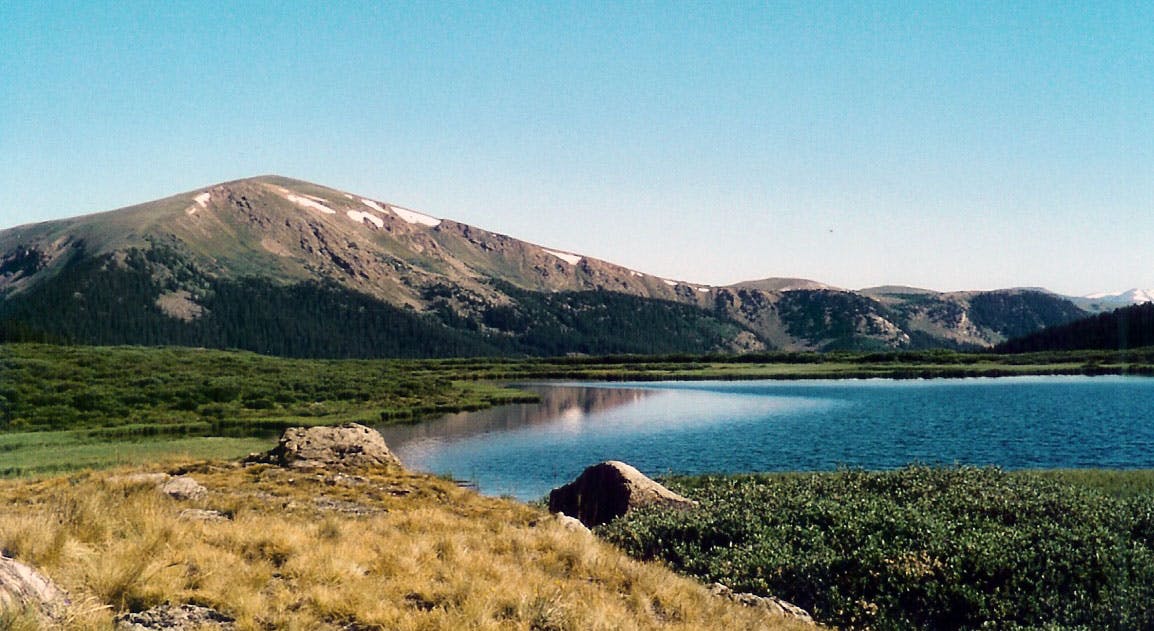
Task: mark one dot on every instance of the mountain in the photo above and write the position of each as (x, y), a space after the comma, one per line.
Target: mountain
(288, 267)
(1122, 329)
(1108, 301)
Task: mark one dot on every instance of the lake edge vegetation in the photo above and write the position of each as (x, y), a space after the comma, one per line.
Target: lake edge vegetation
(73, 407)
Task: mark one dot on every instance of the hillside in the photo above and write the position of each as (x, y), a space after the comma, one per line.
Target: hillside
(379, 548)
(285, 267)
(1121, 329)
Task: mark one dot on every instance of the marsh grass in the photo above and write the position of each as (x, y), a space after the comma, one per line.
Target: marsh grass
(384, 549)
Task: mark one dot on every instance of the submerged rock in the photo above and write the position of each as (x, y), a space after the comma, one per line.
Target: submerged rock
(608, 490)
(349, 445)
(23, 588)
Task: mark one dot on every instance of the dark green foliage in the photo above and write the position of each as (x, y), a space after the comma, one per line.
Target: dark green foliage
(1121, 329)
(831, 319)
(918, 548)
(110, 301)
(141, 392)
(1016, 313)
(607, 323)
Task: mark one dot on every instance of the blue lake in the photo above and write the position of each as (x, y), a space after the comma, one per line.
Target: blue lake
(700, 427)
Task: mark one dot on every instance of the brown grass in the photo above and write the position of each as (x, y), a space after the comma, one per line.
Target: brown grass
(384, 549)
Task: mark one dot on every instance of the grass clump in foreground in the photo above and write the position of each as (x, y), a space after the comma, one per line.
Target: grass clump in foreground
(933, 548)
(379, 549)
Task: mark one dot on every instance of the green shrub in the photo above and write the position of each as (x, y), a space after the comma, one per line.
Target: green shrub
(918, 548)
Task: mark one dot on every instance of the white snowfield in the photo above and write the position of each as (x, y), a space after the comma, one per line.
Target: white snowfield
(375, 206)
(637, 274)
(309, 202)
(360, 217)
(1135, 296)
(671, 283)
(201, 201)
(571, 259)
(414, 217)
(703, 289)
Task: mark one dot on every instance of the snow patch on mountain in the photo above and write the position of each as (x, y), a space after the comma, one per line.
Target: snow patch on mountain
(414, 217)
(310, 202)
(671, 283)
(360, 217)
(201, 200)
(1128, 297)
(571, 259)
(375, 206)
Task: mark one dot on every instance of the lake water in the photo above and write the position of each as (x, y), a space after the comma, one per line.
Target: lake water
(700, 427)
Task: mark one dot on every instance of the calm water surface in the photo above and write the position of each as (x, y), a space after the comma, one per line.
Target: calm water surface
(699, 427)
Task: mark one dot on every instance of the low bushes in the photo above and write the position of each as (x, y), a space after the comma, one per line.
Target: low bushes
(940, 548)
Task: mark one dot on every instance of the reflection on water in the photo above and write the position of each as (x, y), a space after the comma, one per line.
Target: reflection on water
(1039, 422)
(558, 404)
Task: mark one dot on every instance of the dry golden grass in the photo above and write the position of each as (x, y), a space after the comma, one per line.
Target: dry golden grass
(384, 549)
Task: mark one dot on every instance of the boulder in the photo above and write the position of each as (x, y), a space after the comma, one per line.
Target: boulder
(23, 588)
(770, 604)
(608, 490)
(175, 617)
(349, 445)
(183, 487)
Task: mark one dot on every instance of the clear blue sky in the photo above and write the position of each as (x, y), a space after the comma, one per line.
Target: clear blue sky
(945, 145)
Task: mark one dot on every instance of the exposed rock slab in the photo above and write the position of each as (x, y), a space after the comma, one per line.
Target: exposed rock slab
(183, 488)
(770, 604)
(175, 617)
(349, 445)
(22, 587)
(608, 490)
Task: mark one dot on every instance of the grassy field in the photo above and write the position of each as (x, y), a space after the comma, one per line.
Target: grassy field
(74, 407)
(391, 549)
(380, 549)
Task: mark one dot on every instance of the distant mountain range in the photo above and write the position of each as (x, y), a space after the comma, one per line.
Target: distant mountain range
(1108, 301)
(287, 267)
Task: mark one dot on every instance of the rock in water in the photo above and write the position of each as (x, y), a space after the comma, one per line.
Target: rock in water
(608, 490)
(349, 445)
(23, 588)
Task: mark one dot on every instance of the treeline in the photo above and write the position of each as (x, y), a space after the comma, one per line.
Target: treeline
(1121, 329)
(112, 302)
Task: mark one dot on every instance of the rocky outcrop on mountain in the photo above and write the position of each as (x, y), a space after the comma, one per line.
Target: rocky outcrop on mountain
(22, 588)
(350, 445)
(608, 490)
(770, 604)
(175, 618)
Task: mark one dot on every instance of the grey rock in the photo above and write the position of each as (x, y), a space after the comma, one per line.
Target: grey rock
(22, 587)
(571, 524)
(200, 514)
(183, 488)
(608, 490)
(175, 617)
(770, 604)
(350, 445)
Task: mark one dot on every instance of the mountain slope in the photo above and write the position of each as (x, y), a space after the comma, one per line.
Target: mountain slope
(1121, 329)
(288, 267)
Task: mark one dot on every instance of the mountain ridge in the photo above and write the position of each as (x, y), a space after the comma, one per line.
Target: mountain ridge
(273, 232)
